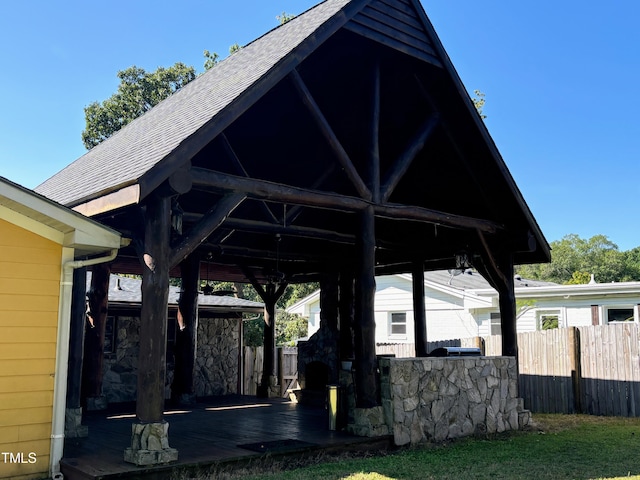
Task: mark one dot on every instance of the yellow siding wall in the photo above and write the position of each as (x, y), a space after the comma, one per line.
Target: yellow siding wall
(29, 301)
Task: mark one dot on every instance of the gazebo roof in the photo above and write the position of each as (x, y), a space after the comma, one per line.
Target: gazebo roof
(271, 154)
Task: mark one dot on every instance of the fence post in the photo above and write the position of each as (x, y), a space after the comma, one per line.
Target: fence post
(575, 365)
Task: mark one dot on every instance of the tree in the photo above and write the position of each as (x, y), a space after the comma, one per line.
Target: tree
(138, 92)
(574, 260)
(478, 102)
(285, 17)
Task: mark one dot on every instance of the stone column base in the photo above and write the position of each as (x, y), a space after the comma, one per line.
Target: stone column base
(96, 403)
(150, 445)
(369, 422)
(73, 427)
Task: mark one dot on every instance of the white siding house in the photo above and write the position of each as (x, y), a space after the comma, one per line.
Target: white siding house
(464, 305)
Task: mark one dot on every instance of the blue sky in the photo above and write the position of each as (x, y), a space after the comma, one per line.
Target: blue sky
(560, 78)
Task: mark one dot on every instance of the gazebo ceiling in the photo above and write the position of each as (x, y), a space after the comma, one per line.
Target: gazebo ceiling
(365, 110)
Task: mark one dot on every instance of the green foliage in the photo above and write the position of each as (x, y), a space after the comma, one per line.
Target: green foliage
(137, 93)
(574, 259)
(285, 17)
(210, 59)
(478, 102)
(289, 328)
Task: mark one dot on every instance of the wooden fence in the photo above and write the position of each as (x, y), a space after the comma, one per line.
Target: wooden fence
(287, 369)
(591, 369)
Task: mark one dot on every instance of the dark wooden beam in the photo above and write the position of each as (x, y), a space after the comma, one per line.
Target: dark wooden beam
(404, 161)
(366, 383)
(345, 311)
(269, 295)
(329, 134)
(262, 189)
(185, 349)
(496, 266)
(199, 233)
(153, 314)
(231, 153)
(76, 337)
(374, 149)
(95, 335)
(419, 313)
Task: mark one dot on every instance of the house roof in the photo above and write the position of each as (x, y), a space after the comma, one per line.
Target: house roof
(275, 152)
(126, 291)
(54, 221)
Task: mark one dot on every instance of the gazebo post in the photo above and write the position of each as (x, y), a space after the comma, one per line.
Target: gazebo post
(365, 324)
(93, 359)
(73, 415)
(419, 314)
(187, 335)
(149, 439)
(345, 315)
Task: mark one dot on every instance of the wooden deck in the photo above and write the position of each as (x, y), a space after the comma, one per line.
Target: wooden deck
(206, 435)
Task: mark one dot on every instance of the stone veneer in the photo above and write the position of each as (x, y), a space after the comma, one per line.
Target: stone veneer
(435, 399)
(216, 368)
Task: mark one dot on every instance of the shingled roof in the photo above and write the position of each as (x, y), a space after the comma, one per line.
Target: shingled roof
(352, 104)
(128, 155)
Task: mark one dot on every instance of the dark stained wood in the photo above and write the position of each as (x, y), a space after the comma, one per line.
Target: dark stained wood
(95, 331)
(76, 337)
(374, 151)
(403, 162)
(199, 233)
(262, 189)
(329, 134)
(269, 294)
(419, 313)
(366, 384)
(241, 170)
(153, 314)
(196, 142)
(185, 348)
(345, 310)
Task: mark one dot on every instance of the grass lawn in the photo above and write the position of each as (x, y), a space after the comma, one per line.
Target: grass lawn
(558, 447)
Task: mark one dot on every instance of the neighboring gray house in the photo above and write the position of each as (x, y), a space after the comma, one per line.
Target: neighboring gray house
(463, 305)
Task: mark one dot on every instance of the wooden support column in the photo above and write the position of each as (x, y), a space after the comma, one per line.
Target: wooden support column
(185, 350)
(269, 294)
(497, 268)
(507, 301)
(269, 340)
(366, 383)
(92, 369)
(345, 315)
(153, 316)
(73, 416)
(419, 313)
(150, 435)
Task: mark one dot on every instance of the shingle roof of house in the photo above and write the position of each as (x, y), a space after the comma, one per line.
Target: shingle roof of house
(127, 290)
(135, 149)
(472, 280)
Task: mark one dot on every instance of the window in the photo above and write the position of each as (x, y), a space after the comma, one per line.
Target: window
(398, 324)
(619, 314)
(495, 328)
(548, 319)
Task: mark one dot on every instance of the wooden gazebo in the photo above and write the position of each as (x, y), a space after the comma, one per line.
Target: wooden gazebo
(336, 147)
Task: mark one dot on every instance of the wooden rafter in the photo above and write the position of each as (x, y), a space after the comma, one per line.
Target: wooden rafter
(262, 189)
(329, 134)
(231, 153)
(404, 161)
(209, 222)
